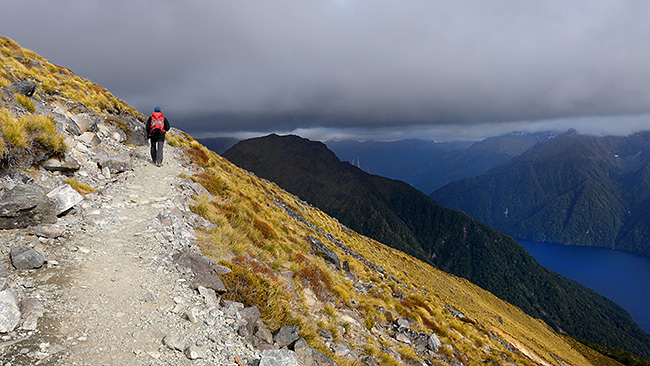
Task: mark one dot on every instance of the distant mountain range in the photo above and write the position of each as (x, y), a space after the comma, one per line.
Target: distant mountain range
(403, 217)
(573, 189)
(428, 165)
(218, 144)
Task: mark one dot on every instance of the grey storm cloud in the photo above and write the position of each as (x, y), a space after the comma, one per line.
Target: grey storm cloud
(293, 64)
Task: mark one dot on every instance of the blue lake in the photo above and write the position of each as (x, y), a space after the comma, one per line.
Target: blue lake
(621, 277)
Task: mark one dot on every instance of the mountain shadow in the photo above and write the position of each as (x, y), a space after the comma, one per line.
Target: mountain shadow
(574, 189)
(402, 217)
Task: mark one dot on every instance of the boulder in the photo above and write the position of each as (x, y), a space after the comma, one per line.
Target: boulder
(281, 357)
(65, 197)
(26, 258)
(116, 163)
(67, 165)
(31, 309)
(262, 334)
(24, 87)
(250, 315)
(132, 129)
(320, 249)
(6, 91)
(194, 353)
(459, 314)
(75, 107)
(433, 342)
(23, 206)
(343, 351)
(402, 337)
(368, 361)
(90, 138)
(308, 356)
(209, 297)
(9, 311)
(286, 336)
(50, 231)
(326, 334)
(64, 124)
(202, 271)
(86, 121)
(402, 323)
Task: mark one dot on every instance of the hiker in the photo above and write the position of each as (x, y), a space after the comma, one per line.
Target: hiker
(157, 126)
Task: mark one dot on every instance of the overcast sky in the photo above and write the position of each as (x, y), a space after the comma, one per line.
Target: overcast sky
(357, 68)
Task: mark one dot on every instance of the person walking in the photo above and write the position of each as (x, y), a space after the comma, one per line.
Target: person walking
(157, 126)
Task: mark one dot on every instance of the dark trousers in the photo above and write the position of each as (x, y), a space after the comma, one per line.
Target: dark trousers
(157, 150)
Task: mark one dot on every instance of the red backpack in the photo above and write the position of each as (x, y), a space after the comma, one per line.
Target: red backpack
(157, 123)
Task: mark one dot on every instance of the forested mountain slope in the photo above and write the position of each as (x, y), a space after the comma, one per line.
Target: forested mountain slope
(574, 189)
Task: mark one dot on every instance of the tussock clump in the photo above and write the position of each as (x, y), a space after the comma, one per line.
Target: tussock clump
(26, 102)
(27, 140)
(318, 281)
(252, 283)
(42, 130)
(198, 155)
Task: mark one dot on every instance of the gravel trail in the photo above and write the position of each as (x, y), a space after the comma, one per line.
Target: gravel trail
(112, 294)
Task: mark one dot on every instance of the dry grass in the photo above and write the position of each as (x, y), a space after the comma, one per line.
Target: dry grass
(26, 102)
(42, 130)
(82, 188)
(12, 131)
(29, 136)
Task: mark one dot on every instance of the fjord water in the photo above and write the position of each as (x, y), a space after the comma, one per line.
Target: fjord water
(621, 277)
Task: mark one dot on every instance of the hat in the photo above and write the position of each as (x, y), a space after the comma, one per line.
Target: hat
(156, 109)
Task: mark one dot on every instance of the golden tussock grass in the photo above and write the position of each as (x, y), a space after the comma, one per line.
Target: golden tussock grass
(13, 132)
(29, 135)
(26, 102)
(82, 188)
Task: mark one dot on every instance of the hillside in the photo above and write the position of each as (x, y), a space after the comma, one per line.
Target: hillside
(114, 285)
(575, 189)
(406, 219)
(429, 165)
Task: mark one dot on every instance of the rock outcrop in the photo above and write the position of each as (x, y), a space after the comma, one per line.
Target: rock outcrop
(24, 87)
(23, 206)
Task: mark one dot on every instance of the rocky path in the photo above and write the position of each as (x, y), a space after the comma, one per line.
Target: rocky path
(112, 294)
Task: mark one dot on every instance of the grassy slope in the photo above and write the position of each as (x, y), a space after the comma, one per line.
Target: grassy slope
(426, 290)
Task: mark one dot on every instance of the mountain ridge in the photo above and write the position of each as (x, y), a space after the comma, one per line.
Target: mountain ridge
(429, 165)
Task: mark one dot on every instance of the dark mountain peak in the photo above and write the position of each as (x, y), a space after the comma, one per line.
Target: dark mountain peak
(290, 148)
